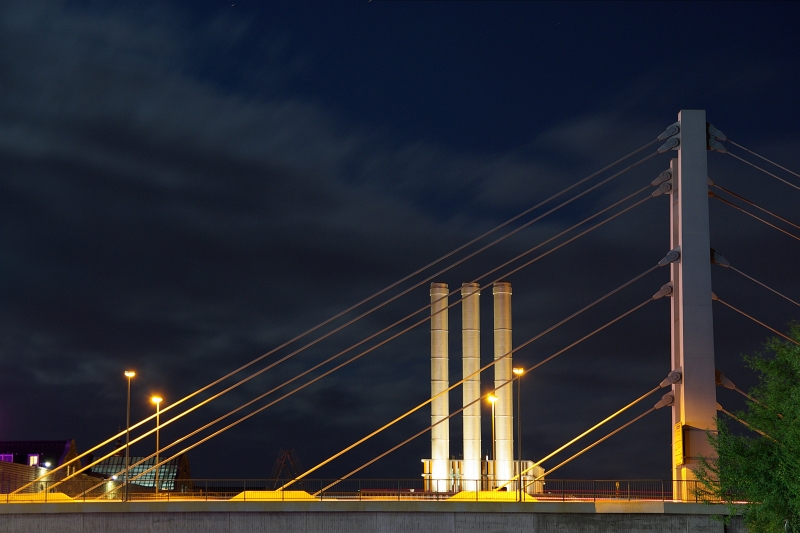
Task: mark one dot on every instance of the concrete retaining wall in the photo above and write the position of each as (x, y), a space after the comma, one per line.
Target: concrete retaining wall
(366, 517)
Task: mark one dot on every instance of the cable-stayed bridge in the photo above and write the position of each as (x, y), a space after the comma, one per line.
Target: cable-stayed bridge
(688, 390)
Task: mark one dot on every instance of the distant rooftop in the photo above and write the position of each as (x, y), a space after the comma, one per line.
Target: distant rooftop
(168, 473)
(55, 452)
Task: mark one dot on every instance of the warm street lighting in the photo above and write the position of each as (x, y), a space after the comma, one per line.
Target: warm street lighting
(128, 374)
(492, 400)
(519, 372)
(157, 400)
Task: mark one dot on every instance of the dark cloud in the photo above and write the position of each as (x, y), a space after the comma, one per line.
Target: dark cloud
(158, 211)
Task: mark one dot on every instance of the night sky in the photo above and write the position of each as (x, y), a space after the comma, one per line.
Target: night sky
(185, 186)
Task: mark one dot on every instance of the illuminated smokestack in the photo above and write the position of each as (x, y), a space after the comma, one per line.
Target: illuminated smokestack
(440, 407)
(504, 414)
(471, 362)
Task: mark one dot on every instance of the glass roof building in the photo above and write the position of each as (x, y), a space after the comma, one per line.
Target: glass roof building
(168, 473)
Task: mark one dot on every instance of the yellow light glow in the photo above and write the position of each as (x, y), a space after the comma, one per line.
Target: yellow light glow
(129, 373)
(492, 398)
(156, 399)
(518, 371)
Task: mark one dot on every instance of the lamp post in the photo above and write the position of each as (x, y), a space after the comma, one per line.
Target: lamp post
(519, 372)
(492, 399)
(128, 374)
(157, 400)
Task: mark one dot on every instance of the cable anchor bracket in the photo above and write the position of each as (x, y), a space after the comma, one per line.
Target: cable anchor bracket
(667, 399)
(663, 182)
(665, 290)
(664, 176)
(672, 256)
(672, 378)
(723, 381)
(665, 187)
(714, 136)
(718, 259)
(673, 137)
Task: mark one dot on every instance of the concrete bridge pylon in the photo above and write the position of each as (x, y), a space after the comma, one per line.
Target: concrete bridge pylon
(694, 409)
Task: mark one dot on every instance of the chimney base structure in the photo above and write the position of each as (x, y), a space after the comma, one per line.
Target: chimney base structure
(474, 473)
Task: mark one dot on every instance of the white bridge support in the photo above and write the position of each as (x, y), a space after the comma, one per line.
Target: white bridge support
(694, 409)
(504, 406)
(440, 407)
(471, 363)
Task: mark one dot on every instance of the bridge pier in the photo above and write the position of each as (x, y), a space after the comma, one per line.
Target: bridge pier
(694, 408)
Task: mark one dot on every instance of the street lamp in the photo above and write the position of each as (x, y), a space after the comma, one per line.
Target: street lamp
(128, 374)
(492, 399)
(519, 372)
(157, 400)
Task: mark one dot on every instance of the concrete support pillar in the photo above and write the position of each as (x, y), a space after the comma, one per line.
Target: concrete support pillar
(694, 409)
(504, 406)
(471, 363)
(440, 407)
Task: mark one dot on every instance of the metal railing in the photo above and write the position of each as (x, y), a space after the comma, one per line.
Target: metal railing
(563, 490)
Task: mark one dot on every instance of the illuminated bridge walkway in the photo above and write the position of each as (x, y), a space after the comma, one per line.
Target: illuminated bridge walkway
(504, 493)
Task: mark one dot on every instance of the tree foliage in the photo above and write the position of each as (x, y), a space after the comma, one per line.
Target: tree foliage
(763, 469)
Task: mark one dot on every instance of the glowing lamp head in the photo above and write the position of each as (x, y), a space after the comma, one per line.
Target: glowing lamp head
(156, 399)
(129, 374)
(47, 464)
(518, 371)
(492, 398)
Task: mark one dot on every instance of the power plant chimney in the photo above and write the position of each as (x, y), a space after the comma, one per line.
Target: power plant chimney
(471, 362)
(440, 407)
(504, 414)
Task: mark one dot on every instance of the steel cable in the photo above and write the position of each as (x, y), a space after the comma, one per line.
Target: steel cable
(775, 331)
(354, 358)
(350, 348)
(764, 158)
(742, 198)
(425, 430)
(789, 183)
(559, 465)
(382, 291)
(763, 285)
(576, 439)
(466, 378)
(745, 424)
(723, 200)
(573, 238)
